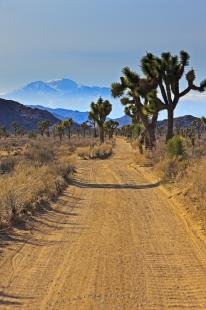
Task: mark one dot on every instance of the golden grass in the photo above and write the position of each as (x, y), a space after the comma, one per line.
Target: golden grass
(101, 151)
(32, 172)
(184, 176)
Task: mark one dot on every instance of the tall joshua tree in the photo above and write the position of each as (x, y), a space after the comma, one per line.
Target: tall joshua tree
(84, 126)
(58, 130)
(110, 127)
(99, 111)
(93, 124)
(168, 71)
(203, 120)
(131, 111)
(139, 97)
(67, 123)
(43, 126)
(197, 127)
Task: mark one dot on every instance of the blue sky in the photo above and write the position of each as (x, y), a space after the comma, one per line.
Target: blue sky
(91, 40)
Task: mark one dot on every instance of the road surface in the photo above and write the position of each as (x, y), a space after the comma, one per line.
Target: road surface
(112, 241)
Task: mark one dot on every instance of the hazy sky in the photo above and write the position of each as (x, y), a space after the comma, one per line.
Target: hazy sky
(91, 40)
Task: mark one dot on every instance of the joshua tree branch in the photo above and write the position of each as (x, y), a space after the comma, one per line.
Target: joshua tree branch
(185, 91)
(168, 90)
(160, 105)
(163, 92)
(198, 88)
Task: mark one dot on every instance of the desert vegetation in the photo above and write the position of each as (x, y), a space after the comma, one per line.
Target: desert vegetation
(97, 151)
(99, 111)
(32, 172)
(157, 89)
(36, 166)
(175, 153)
(179, 163)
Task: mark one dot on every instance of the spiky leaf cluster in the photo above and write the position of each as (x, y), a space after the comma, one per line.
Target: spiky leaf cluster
(100, 110)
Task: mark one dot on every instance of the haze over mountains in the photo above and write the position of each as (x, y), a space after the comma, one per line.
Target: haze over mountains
(63, 93)
(66, 94)
(28, 117)
(64, 98)
(79, 117)
(62, 114)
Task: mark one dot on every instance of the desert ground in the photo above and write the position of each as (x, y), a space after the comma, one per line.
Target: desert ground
(113, 240)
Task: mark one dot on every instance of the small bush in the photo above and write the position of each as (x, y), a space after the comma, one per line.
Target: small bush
(171, 170)
(7, 165)
(32, 135)
(175, 146)
(40, 155)
(102, 151)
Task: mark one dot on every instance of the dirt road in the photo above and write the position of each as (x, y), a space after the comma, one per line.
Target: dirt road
(112, 241)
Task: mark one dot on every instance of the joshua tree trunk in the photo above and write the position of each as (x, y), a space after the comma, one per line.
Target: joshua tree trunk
(101, 134)
(150, 138)
(95, 132)
(150, 128)
(69, 133)
(170, 113)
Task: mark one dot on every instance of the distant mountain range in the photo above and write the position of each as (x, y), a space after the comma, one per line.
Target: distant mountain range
(28, 117)
(63, 93)
(181, 121)
(77, 116)
(25, 117)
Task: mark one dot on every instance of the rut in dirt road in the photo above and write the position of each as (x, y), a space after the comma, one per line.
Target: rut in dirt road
(112, 241)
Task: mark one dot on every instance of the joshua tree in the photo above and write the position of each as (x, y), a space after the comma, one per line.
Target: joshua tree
(59, 130)
(93, 124)
(126, 131)
(68, 124)
(141, 101)
(18, 131)
(131, 111)
(197, 126)
(110, 127)
(84, 126)
(43, 127)
(203, 120)
(168, 71)
(15, 127)
(99, 111)
(78, 131)
(3, 132)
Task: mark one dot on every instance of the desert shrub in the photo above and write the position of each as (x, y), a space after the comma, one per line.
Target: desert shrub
(198, 181)
(171, 170)
(175, 146)
(37, 175)
(7, 165)
(101, 151)
(39, 154)
(21, 192)
(32, 135)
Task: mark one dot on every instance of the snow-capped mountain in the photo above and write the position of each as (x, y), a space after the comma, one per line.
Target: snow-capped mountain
(63, 93)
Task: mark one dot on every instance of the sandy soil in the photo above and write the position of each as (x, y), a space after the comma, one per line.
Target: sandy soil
(112, 241)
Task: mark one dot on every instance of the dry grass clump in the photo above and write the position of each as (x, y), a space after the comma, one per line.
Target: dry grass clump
(22, 192)
(197, 182)
(148, 158)
(171, 169)
(101, 151)
(181, 168)
(38, 174)
(7, 164)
